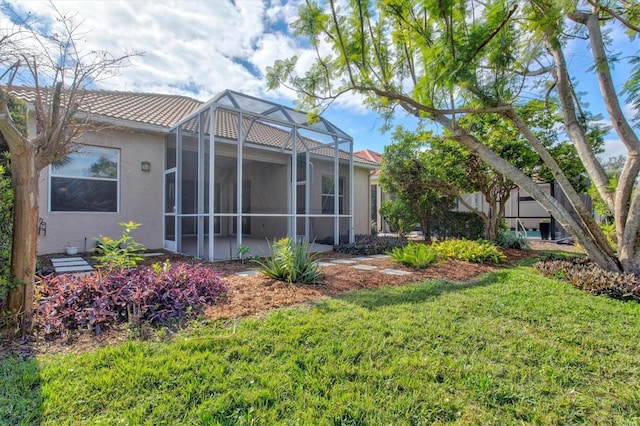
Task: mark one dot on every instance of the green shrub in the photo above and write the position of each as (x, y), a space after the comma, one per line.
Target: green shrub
(120, 253)
(461, 225)
(415, 254)
(479, 251)
(609, 230)
(366, 245)
(509, 240)
(398, 215)
(6, 225)
(290, 262)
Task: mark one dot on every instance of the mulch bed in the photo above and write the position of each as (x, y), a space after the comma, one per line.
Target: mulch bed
(256, 294)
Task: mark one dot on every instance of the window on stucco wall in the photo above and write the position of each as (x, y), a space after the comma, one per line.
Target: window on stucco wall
(327, 195)
(85, 181)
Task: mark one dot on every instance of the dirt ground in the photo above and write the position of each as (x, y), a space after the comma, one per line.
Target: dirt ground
(255, 294)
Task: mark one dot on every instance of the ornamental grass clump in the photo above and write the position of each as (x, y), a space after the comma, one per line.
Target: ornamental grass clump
(290, 262)
(415, 254)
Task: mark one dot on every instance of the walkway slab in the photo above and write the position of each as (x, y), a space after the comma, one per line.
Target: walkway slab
(324, 264)
(395, 272)
(62, 265)
(67, 259)
(364, 267)
(74, 263)
(248, 273)
(151, 254)
(362, 258)
(343, 261)
(380, 256)
(64, 269)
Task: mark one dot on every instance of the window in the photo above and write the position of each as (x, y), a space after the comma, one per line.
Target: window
(328, 197)
(374, 203)
(86, 181)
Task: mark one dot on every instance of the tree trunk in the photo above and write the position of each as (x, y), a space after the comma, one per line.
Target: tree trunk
(25, 219)
(494, 221)
(602, 256)
(587, 225)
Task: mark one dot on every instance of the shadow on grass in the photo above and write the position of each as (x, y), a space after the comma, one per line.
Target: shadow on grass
(416, 293)
(20, 393)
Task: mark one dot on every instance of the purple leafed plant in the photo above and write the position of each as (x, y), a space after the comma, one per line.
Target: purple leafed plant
(157, 294)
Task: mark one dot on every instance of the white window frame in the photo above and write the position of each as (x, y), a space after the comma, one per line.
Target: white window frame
(117, 180)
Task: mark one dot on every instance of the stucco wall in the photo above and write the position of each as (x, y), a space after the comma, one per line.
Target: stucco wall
(323, 228)
(362, 201)
(140, 196)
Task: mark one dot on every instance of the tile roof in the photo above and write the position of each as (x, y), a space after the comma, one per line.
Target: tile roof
(369, 155)
(145, 108)
(266, 134)
(165, 111)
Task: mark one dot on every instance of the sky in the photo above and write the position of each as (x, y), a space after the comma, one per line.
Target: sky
(200, 48)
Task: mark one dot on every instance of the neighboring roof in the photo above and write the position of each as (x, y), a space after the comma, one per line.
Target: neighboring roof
(144, 108)
(165, 111)
(369, 155)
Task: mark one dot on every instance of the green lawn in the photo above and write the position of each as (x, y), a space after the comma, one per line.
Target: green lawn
(511, 348)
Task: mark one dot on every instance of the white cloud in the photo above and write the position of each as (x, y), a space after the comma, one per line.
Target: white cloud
(190, 47)
(613, 148)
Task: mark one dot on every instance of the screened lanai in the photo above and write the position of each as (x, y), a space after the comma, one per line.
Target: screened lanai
(265, 173)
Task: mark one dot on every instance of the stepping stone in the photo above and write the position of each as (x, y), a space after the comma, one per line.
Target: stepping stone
(362, 258)
(324, 264)
(70, 264)
(74, 263)
(379, 256)
(63, 269)
(364, 267)
(344, 261)
(150, 254)
(67, 259)
(395, 272)
(248, 273)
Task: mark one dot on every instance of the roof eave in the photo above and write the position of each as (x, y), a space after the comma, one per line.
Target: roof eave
(120, 122)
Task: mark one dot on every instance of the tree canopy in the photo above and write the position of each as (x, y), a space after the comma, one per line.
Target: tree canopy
(442, 61)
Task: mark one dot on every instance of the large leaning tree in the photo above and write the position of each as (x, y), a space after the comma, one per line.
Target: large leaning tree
(55, 65)
(462, 172)
(444, 60)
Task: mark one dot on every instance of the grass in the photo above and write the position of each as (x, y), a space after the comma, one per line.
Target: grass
(510, 348)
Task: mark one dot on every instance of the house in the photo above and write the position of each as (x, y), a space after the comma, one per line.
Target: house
(377, 196)
(526, 216)
(522, 213)
(203, 178)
